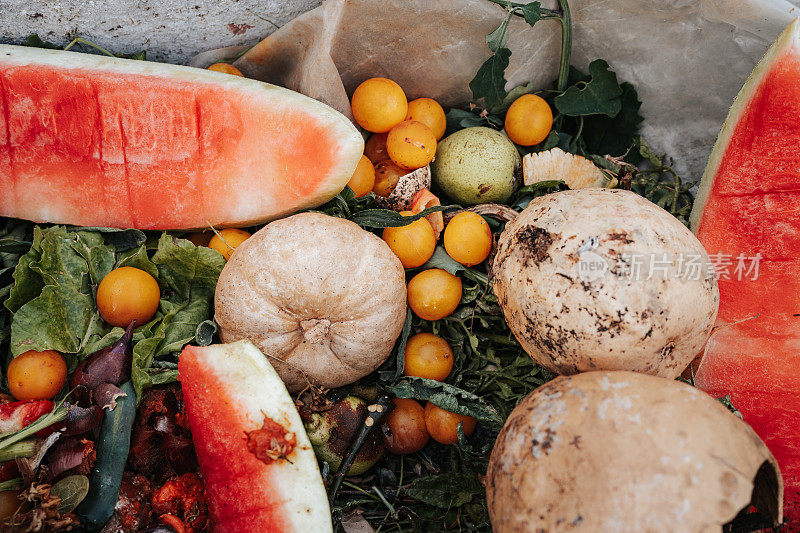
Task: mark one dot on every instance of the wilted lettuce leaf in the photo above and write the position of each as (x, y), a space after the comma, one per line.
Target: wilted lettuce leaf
(53, 303)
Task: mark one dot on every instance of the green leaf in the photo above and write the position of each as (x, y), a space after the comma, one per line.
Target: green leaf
(58, 318)
(71, 490)
(27, 282)
(137, 258)
(121, 239)
(599, 96)
(401, 343)
(497, 39)
(447, 397)
(550, 142)
(184, 267)
(386, 218)
(458, 119)
(440, 259)
(614, 135)
(650, 155)
(490, 81)
(446, 490)
(532, 12)
(161, 376)
(726, 401)
(189, 273)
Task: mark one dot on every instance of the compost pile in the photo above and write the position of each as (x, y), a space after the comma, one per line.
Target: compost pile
(396, 315)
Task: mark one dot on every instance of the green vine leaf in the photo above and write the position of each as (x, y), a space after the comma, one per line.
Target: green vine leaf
(532, 12)
(497, 39)
(601, 95)
(490, 81)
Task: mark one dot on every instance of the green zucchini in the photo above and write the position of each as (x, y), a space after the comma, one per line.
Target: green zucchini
(112, 454)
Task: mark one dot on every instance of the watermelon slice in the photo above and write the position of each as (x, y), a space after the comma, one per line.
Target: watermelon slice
(748, 205)
(98, 141)
(259, 471)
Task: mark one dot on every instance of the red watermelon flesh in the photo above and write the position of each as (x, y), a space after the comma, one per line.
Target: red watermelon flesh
(748, 205)
(98, 141)
(230, 391)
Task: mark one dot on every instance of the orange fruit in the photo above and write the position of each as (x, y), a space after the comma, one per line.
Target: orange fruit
(443, 425)
(363, 178)
(387, 174)
(226, 68)
(128, 294)
(528, 120)
(375, 148)
(434, 294)
(36, 375)
(414, 243)
(428, 356)
(411, 144)
(404, 430)
(379, 104)
(468, 238)
(227, 240)
(429, 112)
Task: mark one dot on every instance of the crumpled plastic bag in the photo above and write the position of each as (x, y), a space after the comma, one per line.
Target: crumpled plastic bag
(687, 58)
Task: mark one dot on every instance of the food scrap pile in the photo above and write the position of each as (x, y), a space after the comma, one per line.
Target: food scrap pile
(180, 381)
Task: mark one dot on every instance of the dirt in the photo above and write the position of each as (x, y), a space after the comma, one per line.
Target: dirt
(535, 243)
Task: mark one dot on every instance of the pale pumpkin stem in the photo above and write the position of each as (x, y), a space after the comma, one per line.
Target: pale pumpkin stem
(315, 329)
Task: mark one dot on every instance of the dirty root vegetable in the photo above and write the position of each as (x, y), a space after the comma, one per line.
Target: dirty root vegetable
(324, 299)
(601, 279)
(331, 432)
(628, 452)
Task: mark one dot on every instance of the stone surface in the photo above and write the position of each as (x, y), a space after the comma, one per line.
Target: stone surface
(170, 30)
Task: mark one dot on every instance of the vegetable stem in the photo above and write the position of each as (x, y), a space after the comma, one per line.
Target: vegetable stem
(11, 484)
(566, 45)
(25, 448)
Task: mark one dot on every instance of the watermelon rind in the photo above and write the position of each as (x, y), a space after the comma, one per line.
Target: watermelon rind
(349, 141)
(788, 39)
(252, 386)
